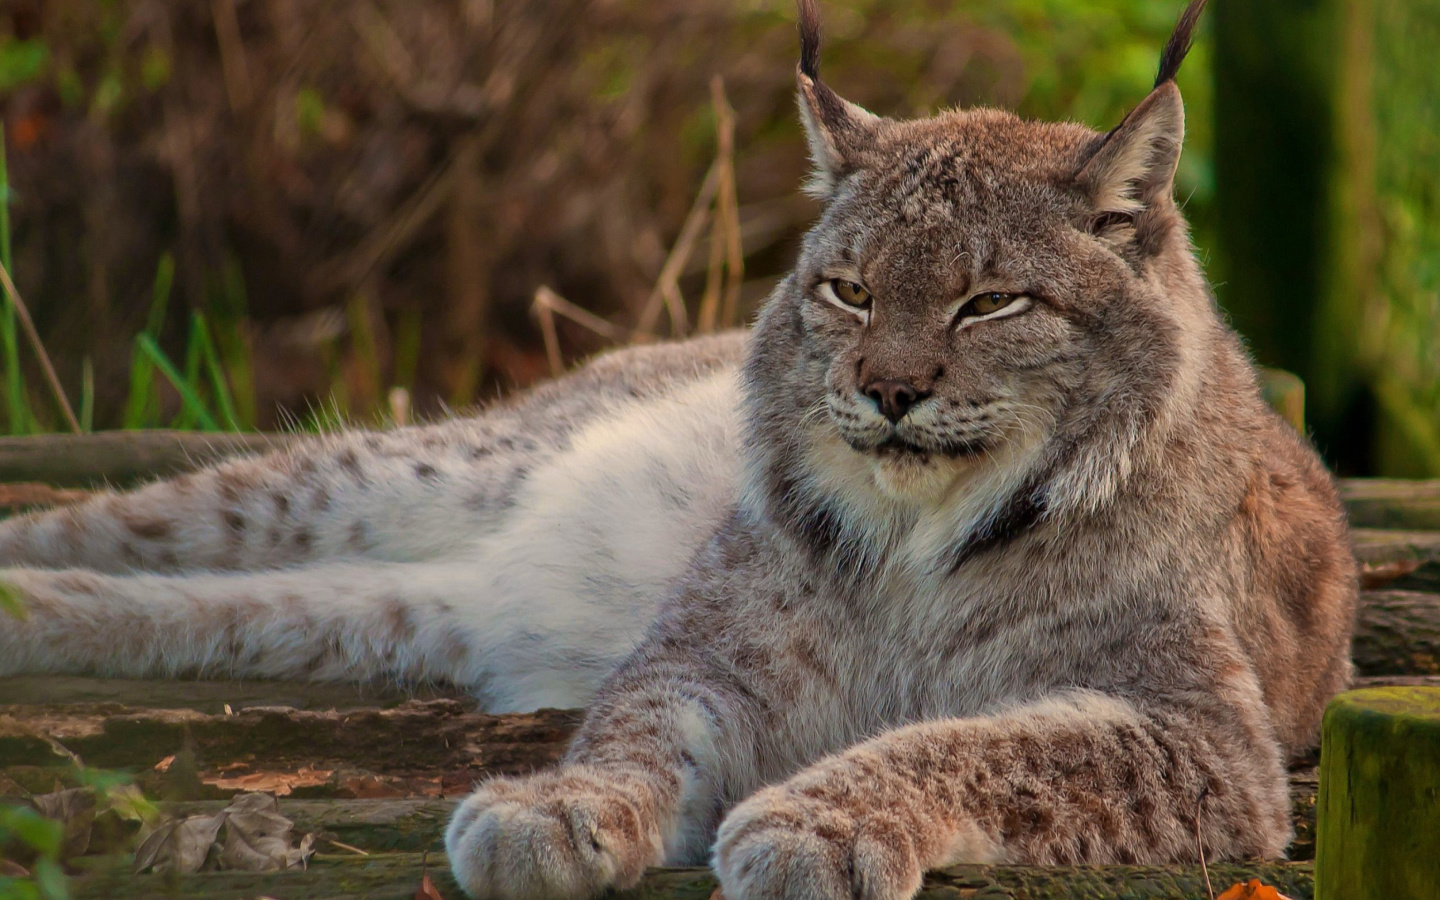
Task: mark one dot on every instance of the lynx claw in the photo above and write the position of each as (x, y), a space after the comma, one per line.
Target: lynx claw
(557, 836)
(783, 845)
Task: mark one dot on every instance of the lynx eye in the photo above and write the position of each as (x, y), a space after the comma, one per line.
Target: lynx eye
(985, 304)
(850, 293)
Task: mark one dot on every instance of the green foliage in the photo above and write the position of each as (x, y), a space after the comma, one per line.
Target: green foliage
(309, 111)
(21, 61)
(41, 837)
(1406, 171)
(10, 602)
(16, 404)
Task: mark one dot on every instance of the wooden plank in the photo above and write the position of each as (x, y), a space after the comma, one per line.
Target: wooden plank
(396, 876)
(1392, 503)
(1398, 633)
(418, 824)
(1375, 545)
(121, 457)
(209, 696)
(434, 734)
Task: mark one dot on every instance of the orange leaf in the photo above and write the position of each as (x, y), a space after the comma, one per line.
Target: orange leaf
(1252, 890)
(427, 889)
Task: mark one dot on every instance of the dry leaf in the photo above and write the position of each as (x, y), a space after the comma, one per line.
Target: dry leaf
(1377, 575)
(1252, 890)
(427, 889)
(75, 810)
(164, 764)
(11, 869)
(127, 802)
(258, 838)
(179, 845)
(278, 783)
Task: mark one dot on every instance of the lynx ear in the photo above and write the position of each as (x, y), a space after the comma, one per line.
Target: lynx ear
(838, 130)
(1134, 169)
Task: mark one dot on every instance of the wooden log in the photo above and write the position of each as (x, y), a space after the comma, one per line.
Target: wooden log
(1374, 545)
(417, 824)
(396, 876)
(1285, 393)
(1392, 503)
(433, 735)
(1379, 806)
(208, 696)
(121, 457)
(1398, 633)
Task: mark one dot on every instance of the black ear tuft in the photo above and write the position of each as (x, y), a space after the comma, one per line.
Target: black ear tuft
(1179, 44)
(809, 38)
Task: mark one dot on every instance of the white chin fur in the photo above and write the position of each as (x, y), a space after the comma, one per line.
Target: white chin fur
(917, 479)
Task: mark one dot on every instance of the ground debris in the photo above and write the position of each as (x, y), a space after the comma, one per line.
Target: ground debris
(257, 839)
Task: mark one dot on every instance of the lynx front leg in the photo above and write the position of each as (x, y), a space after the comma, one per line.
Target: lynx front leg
(1086, 779)
(642, 786)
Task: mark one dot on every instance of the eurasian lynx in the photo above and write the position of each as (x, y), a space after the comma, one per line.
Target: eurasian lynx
(988, 550)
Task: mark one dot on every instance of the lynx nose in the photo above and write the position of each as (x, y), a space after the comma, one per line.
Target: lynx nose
(894, 397)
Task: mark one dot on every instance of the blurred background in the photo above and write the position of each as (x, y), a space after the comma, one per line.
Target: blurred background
(253, 214)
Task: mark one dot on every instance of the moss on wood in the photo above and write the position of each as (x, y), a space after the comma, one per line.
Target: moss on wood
(1379, 806)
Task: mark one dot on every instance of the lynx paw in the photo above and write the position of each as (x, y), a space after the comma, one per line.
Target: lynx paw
(562, 835)
(783, 844)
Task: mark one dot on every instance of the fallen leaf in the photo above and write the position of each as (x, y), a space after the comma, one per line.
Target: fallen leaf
(427, 889)
(281, 784)
(179, 845)
(258, 838)
(164, 764)
(127, 802)
(1377, 575)
(1252, 890)
(74, 809)
(11, 869)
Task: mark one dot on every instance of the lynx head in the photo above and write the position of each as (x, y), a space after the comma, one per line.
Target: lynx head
(986, 320)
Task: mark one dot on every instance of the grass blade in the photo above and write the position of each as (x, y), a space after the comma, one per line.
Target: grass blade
(87, 396)
(201, 334)
(142, 407)
(190, 403)
(16, 402)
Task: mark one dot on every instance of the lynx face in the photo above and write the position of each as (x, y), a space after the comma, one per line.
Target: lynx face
(989, 312)
(940, 290)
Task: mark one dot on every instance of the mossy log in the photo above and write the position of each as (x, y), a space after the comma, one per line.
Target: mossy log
(80, 692)
(1398, 633)
(1392, 503)
(121, 457)
(1379, 805)
(425, 734)
(1285, 393)
(416, 824)
(396, 876)
(1374, 546)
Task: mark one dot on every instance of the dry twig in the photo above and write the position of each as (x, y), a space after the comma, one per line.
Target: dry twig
(727, 258)
(667, 286)
(34, 337)
(548, 304)
(1200, 843)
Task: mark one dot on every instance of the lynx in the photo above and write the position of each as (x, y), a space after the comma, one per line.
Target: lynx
(981, 546)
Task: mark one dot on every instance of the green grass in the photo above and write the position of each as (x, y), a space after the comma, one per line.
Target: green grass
(206, 387)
